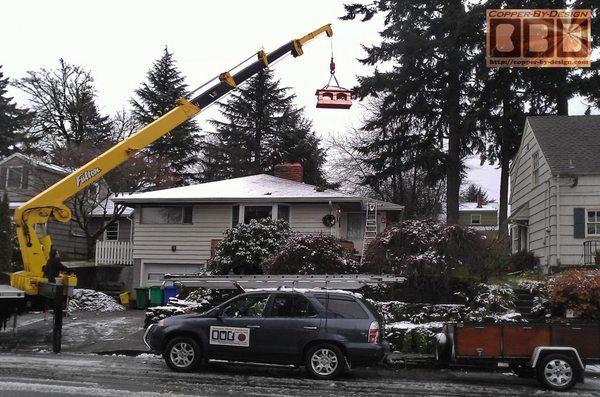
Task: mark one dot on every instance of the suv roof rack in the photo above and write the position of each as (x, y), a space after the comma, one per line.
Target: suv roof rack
(243, 282)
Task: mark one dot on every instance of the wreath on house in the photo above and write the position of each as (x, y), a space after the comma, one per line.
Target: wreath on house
(329, 220)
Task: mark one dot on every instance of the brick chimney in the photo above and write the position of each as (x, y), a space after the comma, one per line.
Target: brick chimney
(292, 171)
(479, 201)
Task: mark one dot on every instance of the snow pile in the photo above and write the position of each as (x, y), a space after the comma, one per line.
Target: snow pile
(93, 301)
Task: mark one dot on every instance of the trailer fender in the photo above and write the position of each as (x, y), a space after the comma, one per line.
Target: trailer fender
(541, 351)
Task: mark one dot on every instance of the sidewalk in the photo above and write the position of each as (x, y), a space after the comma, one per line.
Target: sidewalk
(83, 332)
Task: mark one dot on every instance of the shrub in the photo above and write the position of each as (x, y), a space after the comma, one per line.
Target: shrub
(522, 260)
(312, 254)
(246, 248)
(428, 254)
(577, 290)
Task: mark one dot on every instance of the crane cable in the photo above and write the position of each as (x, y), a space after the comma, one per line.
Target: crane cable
(332, 69)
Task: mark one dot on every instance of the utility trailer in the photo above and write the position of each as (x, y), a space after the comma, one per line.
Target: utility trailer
(556, 354)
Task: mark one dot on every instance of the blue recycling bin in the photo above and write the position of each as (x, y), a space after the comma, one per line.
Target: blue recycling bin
(168, 292)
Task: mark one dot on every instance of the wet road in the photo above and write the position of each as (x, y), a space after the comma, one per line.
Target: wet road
(46, 374)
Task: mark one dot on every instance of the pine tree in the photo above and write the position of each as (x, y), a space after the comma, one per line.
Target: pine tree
(261, 127)
(12, 120)
(431, 47)
(6, 235)
(177, 152)
(473, 193)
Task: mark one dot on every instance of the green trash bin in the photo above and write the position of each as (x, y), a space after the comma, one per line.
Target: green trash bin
(141, 297)
(156, 296)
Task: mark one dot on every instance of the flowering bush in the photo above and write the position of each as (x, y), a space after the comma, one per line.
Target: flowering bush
(577, 290)
(312, 254)
(245, 249)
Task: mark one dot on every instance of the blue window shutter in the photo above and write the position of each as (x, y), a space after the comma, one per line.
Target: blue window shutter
(579, 222)
(25, 178)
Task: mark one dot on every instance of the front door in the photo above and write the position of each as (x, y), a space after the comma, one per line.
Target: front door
(236, 334)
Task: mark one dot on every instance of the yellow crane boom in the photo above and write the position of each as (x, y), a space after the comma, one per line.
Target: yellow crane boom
(50, 204)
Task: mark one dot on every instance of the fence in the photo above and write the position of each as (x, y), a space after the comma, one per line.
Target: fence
(114, 253)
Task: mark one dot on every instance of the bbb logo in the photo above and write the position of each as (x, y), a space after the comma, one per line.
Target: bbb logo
(547, 38)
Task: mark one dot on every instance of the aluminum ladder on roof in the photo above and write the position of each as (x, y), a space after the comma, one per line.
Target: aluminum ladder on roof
(370, 227)
(278, 281)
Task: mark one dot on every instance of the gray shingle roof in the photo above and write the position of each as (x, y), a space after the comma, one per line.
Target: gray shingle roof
(571, 144)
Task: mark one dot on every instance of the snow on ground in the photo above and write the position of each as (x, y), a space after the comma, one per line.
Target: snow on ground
(90, 301)
(406, 325)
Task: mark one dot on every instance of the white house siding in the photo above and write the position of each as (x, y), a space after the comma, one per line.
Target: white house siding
(153, 243)
(308, 218)
(522, 192)
(585, 195)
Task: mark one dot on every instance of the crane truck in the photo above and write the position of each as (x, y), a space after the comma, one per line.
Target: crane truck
(30, 285)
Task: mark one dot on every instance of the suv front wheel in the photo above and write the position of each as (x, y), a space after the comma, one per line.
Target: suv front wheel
(324, 361)
(182, 354)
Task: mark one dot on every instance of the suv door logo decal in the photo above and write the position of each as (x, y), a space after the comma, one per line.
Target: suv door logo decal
(229, 336)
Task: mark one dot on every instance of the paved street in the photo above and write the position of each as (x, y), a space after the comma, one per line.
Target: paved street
(46, 374)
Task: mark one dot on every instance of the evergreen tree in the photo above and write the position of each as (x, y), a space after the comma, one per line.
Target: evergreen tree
(177, 152)
(6, 235)
(12, 120)
(261, 127)
(473, 193)
(431, 48)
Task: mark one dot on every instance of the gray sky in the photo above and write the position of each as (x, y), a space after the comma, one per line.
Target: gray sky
(119, 40)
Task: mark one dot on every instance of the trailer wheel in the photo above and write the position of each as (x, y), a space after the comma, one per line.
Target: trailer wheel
(522, 370)
(557, 372)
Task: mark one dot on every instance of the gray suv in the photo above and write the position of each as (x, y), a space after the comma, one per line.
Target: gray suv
(325, 331)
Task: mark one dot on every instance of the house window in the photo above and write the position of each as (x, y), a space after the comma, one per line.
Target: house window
(475, 219)
(592, 223)
(257, 212)
(235, 215)
(167, 215)
(112, 231)
(283, 212)
(14, 177)
(535, 171)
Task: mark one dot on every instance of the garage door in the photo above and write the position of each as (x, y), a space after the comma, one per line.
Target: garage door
(153, 273)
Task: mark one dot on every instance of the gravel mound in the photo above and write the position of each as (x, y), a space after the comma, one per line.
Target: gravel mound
(93, 301)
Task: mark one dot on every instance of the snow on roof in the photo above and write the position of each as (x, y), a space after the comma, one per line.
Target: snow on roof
(260, 187)
(108, 208)
(37, 163)
(473, 207)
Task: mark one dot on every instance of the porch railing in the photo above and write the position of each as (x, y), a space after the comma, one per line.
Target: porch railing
(589, 252)
(114, 253)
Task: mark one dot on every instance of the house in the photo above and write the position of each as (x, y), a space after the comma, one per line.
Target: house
(479, 216)
(555, 190)
(176, 230)
(23, 177)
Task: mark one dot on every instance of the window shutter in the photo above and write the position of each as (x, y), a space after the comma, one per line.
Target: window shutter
(25, 178)
(579, 223)
(2, 177)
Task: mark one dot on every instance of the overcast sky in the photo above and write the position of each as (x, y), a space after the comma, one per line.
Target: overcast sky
(119, 40)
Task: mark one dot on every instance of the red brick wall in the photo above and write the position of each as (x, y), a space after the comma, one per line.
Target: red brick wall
(291, 171)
